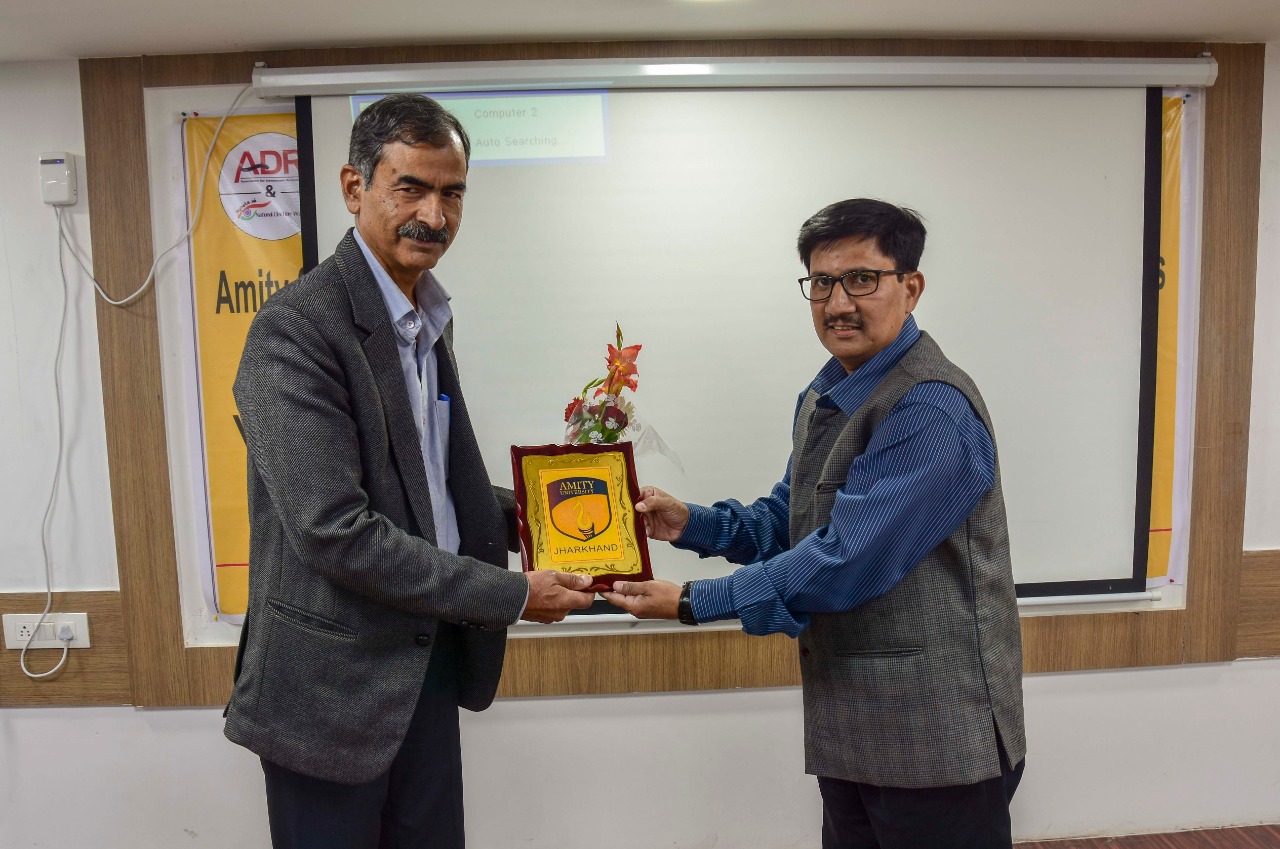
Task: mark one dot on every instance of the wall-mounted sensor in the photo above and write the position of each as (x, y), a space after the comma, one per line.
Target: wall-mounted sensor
(58, 178)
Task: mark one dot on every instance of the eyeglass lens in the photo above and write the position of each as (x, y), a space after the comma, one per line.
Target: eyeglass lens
(855, 284)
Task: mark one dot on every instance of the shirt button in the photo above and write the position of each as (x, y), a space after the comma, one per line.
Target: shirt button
(423, 639)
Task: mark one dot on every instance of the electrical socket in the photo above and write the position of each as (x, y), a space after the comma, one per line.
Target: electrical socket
(18, 628)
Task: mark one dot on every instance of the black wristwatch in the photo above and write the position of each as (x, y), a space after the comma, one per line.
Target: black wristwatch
(684, 610)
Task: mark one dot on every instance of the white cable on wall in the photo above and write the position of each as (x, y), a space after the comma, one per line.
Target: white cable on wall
(195, 218)
(57, 474)
(63, 241)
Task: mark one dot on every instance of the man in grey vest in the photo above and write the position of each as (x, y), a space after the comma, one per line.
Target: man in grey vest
(885, 550)
(378, 590)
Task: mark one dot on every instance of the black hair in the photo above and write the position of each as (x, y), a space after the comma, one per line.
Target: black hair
(406, 118)
(898, 232)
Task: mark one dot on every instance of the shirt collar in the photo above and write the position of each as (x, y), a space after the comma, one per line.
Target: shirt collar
(433, 301)
(848, 392)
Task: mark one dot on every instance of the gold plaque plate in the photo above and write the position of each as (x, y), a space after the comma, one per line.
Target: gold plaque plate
(575, 506)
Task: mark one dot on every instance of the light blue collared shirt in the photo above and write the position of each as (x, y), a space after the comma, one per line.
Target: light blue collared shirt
(417, 332)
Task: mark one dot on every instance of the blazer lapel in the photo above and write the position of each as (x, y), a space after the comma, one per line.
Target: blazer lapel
(382, 351)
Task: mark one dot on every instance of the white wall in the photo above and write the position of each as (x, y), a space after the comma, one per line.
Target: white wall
(39, 112)
(1262, 501)
(1111, 752)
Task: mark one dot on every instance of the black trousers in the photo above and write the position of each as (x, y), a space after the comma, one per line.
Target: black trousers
(416, 804)
(970, 816)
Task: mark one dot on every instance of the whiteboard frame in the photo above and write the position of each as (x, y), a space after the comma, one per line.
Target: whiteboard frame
(515, 76)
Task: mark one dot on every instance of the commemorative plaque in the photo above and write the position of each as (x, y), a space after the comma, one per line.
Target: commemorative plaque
(575, 511)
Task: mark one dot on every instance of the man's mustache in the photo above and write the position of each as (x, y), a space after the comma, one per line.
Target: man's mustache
(422, 233)
(849, 320)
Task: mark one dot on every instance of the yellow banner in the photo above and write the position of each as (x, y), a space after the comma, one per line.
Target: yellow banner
(245, 247)
(1161, 528)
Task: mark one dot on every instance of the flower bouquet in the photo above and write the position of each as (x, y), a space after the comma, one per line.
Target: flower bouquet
(606, 416)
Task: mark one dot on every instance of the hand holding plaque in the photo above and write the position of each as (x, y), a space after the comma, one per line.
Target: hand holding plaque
(665, 517)
(575, 503)
(553, 594)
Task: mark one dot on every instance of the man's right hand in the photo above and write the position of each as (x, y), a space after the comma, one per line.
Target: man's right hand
(553, 594)
(664, 516)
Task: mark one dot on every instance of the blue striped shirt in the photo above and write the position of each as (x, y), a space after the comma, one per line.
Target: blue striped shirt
(924, 470)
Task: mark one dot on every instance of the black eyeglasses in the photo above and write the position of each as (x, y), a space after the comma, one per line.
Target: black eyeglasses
(856, 284)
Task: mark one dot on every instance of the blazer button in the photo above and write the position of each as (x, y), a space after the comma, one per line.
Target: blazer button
(423, 639)
(804, 652)
(465, 624)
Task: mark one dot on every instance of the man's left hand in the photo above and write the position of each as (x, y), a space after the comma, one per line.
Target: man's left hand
(646, 599)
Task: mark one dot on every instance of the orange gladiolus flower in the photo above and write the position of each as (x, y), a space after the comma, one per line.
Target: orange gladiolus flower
(623, 361)
(622, 369)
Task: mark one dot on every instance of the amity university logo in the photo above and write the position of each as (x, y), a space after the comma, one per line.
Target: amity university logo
(258, 184)
(581, 516)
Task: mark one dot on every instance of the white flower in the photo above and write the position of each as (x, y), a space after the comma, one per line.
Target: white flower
(611, 423)
(597, 437)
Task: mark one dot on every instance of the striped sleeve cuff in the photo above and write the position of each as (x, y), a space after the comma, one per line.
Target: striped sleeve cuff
(730, 596)
(701, 530)
(712, 599)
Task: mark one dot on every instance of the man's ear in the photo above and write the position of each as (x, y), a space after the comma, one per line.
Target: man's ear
(914, 282)
(352, 188)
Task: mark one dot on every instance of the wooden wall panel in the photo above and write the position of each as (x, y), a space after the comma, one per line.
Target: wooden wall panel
(1259, 632)
(209, 674)
(129, 345)
(646, 663)
(164, 673)
(1077, 642)
(98, 675)
(1232, 167)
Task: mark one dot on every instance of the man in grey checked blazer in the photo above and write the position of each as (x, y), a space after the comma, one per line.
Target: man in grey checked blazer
(379, 595)
(885, 550)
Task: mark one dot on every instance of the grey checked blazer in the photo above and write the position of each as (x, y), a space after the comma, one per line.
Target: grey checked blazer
(346, 589)
(913, 688)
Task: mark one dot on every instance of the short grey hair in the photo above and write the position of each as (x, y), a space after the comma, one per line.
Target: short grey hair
(406, 118)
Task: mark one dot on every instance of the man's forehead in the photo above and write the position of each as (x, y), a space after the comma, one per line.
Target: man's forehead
(396, 149)
(847, 249)
(418, 159)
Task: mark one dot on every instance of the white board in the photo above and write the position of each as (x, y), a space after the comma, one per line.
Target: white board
(684, 233)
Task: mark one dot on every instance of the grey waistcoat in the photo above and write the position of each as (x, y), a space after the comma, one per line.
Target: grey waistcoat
(911, 688)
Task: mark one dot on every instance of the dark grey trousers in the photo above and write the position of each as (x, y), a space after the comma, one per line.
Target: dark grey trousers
(970, 816)
(417, 804)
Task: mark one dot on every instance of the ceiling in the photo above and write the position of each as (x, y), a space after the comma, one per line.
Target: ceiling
(66, 29)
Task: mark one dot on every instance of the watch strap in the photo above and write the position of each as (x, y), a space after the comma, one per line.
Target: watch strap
(684, 611)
